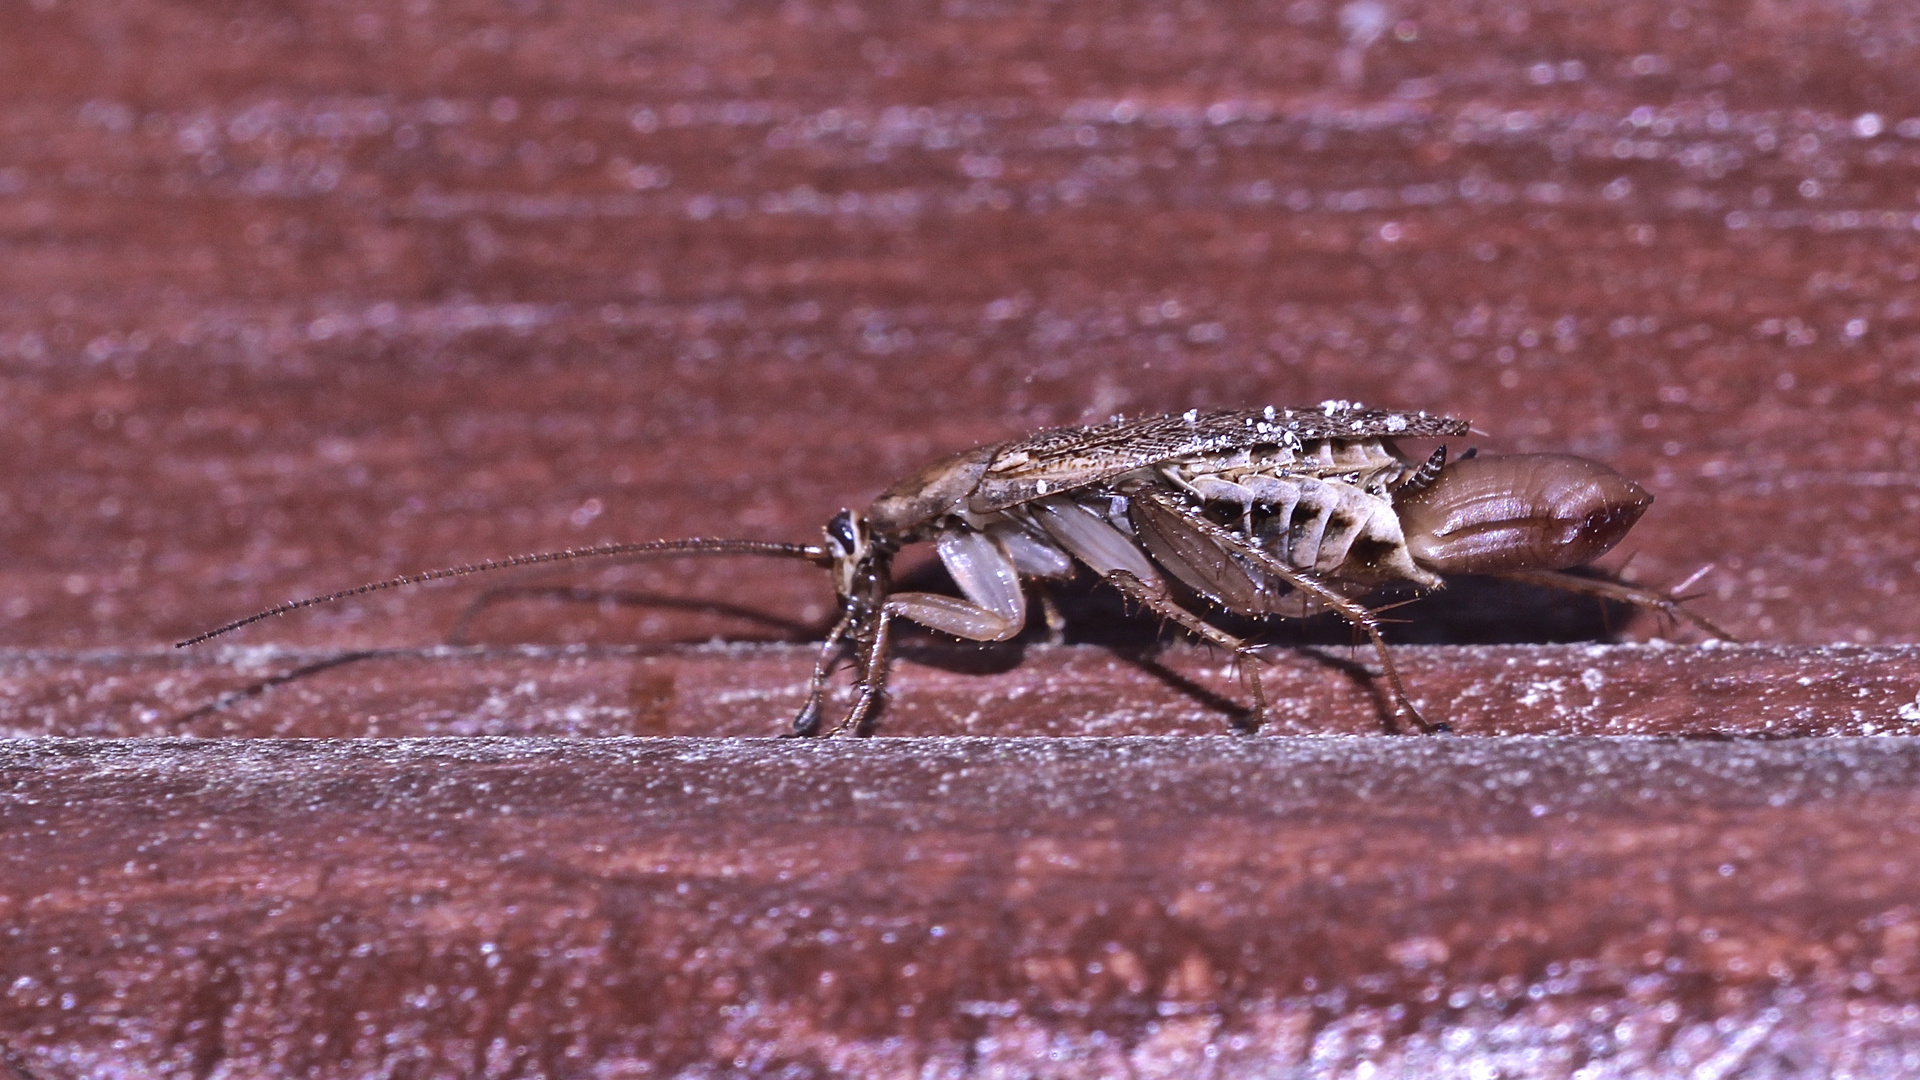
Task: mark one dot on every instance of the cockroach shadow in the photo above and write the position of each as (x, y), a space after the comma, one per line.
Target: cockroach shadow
(180, 724)
(1468, 611)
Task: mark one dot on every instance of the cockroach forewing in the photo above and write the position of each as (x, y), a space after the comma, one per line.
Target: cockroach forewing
(1065, 459)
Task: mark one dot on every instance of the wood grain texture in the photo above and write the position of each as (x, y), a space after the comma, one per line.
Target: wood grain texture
(304, 295)
(294, 296)
(1766, 692)
(952, 907)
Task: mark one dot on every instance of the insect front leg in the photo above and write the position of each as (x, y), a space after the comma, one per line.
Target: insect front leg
(870, 688)
(869, 629)
(995, 608)
(807, 723)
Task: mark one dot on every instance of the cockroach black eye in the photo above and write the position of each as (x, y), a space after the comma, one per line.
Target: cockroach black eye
(844, 533)
(1495, 515)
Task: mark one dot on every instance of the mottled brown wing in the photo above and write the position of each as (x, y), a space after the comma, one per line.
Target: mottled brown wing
(1064, 459)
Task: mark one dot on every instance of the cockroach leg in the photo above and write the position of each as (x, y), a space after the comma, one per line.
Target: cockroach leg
(1625, 592)
(870, 657)
(1353, 611)
(807, 723)
(1245, 659)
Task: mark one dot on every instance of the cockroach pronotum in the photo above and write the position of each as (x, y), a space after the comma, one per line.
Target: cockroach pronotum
(1270, 512)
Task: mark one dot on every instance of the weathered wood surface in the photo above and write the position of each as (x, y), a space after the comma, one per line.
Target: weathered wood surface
(1767, 692)
(949, 907)
(294, 296)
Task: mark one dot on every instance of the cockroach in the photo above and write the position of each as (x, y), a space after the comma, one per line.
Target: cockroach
(1267, 512)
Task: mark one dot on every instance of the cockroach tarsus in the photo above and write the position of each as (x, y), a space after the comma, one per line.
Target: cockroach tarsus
(1262, 513)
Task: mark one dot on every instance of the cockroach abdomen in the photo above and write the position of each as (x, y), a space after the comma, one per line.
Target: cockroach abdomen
(1498, 514)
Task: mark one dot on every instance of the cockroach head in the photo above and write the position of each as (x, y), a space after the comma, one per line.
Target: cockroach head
(1496, 514)
(850, 546)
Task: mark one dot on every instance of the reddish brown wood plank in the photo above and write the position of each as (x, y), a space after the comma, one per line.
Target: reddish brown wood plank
(949, 907)
(298, 295)
(1656, 689)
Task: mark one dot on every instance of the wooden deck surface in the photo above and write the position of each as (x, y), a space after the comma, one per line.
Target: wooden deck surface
(296, 296)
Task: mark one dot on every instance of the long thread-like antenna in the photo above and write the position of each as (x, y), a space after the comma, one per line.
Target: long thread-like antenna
(695, 546)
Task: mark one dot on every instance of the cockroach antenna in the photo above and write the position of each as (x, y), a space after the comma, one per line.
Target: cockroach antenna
(695, 546)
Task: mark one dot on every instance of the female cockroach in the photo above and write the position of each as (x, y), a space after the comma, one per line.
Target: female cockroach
(1268, 512)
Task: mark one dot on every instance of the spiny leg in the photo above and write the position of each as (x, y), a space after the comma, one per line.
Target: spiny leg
(807, 723)
(1120, 560)
(870, 656)
(1360, 615)
(1245, 660)
(1625, 592)
(1353, 611)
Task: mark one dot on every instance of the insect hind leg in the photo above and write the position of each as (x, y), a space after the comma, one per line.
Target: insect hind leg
(1626, 592)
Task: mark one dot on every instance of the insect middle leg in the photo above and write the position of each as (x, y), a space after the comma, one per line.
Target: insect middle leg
(1245, 660)
(1094, 540)
(1220, 560)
